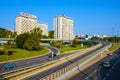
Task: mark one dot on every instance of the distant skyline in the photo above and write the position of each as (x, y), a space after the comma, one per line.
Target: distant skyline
(90, 16)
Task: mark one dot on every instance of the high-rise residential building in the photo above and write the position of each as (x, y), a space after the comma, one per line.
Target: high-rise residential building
(63, 27)
(44, 28)
(26, 22)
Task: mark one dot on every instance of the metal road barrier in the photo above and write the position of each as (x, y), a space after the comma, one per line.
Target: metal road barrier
(60, 74)
(10, 74)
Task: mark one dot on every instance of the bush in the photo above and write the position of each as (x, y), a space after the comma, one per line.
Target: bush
(2, 52)
(74, 43)
(88, 43)
(9, 52)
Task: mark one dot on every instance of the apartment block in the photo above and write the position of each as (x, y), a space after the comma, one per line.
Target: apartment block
(63, 27)
(26, 22)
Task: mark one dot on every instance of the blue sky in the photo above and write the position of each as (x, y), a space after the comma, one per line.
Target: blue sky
(90, 16)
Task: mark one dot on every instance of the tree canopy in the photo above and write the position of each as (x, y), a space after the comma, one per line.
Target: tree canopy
(7, 33)
(30, 40)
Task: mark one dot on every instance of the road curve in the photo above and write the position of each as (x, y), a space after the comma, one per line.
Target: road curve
(29, 62)
(40, 75)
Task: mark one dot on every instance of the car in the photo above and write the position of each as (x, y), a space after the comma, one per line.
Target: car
(52, 55)
(10, 65)
(106, 64)
(110, 54)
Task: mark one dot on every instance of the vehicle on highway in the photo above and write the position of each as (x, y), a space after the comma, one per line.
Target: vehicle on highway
(110, 54)
(10, 65)
(52, 55)
(106, 64)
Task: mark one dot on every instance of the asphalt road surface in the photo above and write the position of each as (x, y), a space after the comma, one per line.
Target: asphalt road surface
(97, 72)
(40, 75)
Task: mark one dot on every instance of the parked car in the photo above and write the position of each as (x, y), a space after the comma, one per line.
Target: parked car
(10, 65)
(106, 64)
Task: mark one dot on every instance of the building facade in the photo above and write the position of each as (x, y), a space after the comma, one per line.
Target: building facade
(63, 27)
(43, 27)
(26, 22)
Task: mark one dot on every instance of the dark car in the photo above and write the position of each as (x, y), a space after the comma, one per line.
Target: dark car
(10, 65)
(52, 55)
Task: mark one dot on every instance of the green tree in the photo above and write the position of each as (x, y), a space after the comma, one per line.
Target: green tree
(74, 43)
(51, 34)
(95, 38)
(7, 33)
(105, 39)
(44, 36)
(20, 39)
(31, 44)
(30, 40)
(76, 37)
(36, 32)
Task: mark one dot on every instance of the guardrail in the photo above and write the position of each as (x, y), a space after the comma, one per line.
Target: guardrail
(31, 68)
(24, 70)
(60, 74)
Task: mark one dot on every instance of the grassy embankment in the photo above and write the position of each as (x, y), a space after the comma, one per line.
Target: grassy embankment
(21, 53)
(64, 49)
(114, 47)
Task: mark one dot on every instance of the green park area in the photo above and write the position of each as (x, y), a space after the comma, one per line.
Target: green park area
(64, 49)
(114, 47)
(21, 53)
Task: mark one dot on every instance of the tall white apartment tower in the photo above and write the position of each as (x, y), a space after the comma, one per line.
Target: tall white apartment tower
(63, 27)
(26, 22)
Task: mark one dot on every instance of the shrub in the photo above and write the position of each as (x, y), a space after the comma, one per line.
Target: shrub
(9, 52)
(2, 52)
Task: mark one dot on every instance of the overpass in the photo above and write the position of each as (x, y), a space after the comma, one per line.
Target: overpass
(4, 40)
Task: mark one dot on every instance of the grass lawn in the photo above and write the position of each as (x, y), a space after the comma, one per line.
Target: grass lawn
(114, 47)
(21, 53)
(68, 48)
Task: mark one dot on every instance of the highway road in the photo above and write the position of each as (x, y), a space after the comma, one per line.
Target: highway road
(40, 75)
(97, 72)
(34, 61)
(29, 62)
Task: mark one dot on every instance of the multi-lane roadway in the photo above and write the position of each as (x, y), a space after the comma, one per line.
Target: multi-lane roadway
(34, 61)
(42, 74)
(28, 62)
(98, 72)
